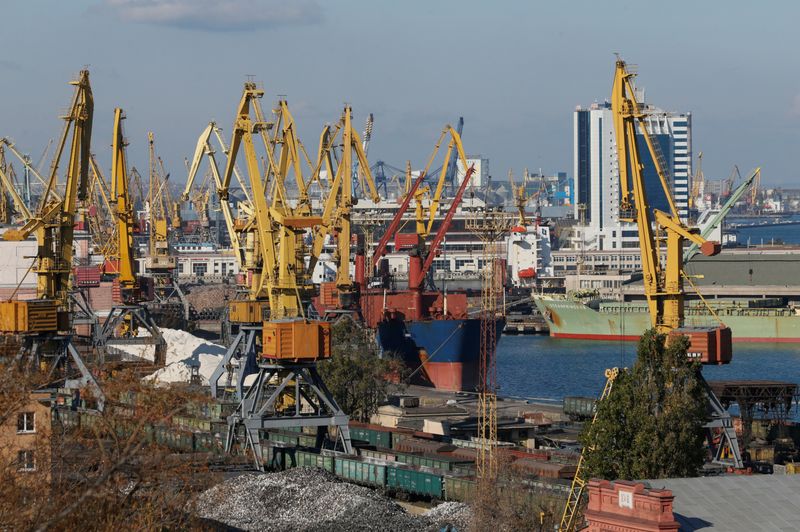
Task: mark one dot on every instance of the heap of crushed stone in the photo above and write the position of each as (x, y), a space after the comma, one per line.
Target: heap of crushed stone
(304, 499)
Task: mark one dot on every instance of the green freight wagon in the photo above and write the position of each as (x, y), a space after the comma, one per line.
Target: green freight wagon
(89, 420)
(378, 454)
(361, 471)
(459, 489)
(579, 407)
(278, 457)
(70, 419)
(306, 440)
(378, 438)
(206, 442)
(435, 462)
(289, 438)
(309, 459)
(414, 481)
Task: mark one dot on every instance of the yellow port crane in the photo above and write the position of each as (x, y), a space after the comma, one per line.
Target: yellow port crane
(7, 180)
(273, 234)
(122, 324)
(159, 261)
(337, 210)
(123, 211)
(40, 322)
(663, 283)
(283, 347)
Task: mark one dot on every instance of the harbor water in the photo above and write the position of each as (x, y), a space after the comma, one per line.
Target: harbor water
(544, 368)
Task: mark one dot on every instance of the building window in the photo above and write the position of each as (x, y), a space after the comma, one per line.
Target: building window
(460, 263)
(441, 265)
(26, 422)
(199, 269)
(26, 461)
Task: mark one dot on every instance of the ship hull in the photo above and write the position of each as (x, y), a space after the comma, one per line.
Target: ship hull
(443, 353)
(627, 321)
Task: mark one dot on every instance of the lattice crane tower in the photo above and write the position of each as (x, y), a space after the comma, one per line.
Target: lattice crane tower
(490, 228)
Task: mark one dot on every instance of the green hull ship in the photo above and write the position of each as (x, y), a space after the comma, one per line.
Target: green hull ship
(759, 320)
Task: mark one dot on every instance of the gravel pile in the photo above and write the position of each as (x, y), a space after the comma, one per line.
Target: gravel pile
(304, 499)
(454, 513)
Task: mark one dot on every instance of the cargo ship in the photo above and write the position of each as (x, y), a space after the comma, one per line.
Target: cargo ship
(750, 320)
(440, 345)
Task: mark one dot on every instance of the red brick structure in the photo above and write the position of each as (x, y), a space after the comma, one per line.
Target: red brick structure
(628, 507)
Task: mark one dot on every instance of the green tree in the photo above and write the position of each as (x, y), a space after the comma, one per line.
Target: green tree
(651, 425)
(356, 376)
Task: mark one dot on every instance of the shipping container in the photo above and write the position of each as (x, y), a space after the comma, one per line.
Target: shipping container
(87, 276)
(361, 471)
(415, 481)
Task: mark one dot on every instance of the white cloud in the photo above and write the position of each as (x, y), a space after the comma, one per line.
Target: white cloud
(218, 15)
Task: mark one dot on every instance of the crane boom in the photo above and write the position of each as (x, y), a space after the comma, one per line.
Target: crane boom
(663, 283)
(694, 249)
(123, 209)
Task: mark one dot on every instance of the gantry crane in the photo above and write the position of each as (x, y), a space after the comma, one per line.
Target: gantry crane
(663, 283)
(160, 263)
(205, 148)
(337, 210)
(44, 324)
(122, 324)
(290, 346)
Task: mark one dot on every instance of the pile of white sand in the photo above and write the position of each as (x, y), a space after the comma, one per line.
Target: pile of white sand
(184, 352)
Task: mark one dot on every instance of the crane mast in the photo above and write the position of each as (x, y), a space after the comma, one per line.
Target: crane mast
(123, 211)
(663, 282)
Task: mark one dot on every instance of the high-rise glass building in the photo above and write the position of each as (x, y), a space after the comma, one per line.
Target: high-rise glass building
(596, 170)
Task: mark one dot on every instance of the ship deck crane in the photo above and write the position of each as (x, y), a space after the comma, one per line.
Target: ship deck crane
(421, 258)
(663, 283)
(709, 225)
(41, 323)
(290, 346)
(425, 218)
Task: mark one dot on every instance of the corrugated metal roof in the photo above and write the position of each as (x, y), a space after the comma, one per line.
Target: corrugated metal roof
(735, 503)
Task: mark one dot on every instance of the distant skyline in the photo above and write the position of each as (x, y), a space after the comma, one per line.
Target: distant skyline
(515, 71)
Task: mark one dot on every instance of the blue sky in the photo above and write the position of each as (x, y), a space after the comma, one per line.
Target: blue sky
(514, 69)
